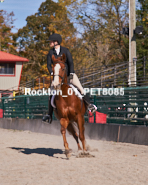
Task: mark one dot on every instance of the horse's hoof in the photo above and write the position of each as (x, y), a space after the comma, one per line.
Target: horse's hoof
(68, 153)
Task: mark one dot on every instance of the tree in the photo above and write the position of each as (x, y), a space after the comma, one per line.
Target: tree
(102, 22)
(6, 36)
(50, 18)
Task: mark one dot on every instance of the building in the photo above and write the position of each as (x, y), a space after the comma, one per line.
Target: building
(10, 72)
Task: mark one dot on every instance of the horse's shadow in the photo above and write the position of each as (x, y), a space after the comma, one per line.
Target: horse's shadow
(45, 151)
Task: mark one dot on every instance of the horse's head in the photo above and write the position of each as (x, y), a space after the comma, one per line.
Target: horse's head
(59, 71)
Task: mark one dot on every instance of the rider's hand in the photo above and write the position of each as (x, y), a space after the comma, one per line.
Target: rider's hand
(51, 73)
(71, 76)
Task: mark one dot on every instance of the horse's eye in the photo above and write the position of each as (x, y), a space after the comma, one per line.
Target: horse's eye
(63, 69)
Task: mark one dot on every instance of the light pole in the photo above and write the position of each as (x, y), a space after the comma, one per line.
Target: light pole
(132, 44)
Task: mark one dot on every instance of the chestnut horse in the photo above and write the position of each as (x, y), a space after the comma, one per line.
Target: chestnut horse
(69, 109)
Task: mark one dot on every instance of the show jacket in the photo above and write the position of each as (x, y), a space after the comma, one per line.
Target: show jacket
(69, 60)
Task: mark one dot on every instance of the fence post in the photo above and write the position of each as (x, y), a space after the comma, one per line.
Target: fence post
(3, 106)
(101, 79)
(115, 76)
(93, 78)
(25, 106)
(144, 60)
(95, 113)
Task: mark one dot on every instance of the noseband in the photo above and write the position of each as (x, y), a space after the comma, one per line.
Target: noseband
(64, 70)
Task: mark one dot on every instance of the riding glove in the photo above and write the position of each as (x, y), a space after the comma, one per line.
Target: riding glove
(71, 76)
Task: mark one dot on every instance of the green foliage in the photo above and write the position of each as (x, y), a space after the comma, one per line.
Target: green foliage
(7, 43)
(101, 41)
(102, 22)
(50, 18)
(97, 39)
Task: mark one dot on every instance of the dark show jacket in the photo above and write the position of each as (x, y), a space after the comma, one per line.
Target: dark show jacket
(69, 60)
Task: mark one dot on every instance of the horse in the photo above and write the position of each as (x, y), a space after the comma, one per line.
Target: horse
(70, 109)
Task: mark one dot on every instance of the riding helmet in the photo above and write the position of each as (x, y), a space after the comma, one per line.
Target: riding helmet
(55, 37)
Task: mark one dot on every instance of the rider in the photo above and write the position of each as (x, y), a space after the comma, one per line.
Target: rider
(58, 50)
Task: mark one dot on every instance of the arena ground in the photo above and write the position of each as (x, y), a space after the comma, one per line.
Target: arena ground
(28, 158)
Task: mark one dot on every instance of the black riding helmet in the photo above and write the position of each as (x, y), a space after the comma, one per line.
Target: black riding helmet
(55, 37)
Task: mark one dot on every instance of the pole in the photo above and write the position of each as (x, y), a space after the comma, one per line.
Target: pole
(132, 51)
(144, 60)
(115, 70)
(132, 43)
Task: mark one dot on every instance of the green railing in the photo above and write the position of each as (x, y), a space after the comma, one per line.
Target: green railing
(29, 107)
(130, 107)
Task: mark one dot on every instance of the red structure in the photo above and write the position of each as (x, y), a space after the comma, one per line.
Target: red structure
(99, 118)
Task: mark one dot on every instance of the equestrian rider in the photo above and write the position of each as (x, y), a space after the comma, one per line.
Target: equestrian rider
(58, 50)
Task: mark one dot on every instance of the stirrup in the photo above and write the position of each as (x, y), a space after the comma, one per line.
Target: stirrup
(92, 108)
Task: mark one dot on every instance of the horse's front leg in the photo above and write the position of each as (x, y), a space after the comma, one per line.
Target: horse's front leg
(64, 124)
(81, 131)
(71, 129)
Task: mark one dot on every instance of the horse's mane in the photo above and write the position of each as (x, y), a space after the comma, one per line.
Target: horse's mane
(61, 58)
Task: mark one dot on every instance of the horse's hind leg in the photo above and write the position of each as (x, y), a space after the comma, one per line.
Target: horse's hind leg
(81, 130)
(64, 124)
(71, 129)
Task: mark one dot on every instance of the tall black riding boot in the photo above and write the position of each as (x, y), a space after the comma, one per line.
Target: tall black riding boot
(50, 112)
(86, 99)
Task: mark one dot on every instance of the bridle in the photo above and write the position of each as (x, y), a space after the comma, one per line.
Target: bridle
(62, 77)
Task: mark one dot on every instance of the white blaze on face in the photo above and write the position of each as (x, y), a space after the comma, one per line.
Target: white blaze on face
(56, 72)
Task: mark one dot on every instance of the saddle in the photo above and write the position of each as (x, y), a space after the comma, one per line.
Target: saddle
(75, 90)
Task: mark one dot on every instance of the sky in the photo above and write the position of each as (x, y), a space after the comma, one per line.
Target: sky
(21, 9)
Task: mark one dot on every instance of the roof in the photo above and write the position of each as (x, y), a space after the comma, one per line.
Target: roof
(7, 57)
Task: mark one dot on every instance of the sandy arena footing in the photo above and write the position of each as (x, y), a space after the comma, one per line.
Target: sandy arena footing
(28, 158)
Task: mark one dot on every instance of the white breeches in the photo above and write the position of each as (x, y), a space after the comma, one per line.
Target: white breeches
(75, 81)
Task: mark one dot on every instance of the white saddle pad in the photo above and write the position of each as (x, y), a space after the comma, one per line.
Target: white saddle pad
(77, 93)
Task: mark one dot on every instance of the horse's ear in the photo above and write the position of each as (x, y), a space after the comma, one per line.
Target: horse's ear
(63, 57)
(53, 58)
